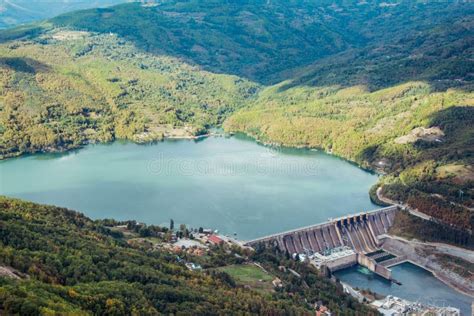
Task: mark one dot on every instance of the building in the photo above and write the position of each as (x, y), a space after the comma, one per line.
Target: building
(334, 259)
(393, 306)
(193, 266)
(215, 240)
(323, 311)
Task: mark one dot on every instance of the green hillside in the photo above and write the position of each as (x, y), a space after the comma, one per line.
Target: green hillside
(258, 39)
(68, 88)
(63, 263)
(440, 56)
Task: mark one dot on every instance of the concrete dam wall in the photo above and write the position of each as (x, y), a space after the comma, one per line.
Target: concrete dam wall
(358, 231)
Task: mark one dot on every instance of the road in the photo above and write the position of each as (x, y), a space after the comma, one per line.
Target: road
(451, 250)
(402, 206)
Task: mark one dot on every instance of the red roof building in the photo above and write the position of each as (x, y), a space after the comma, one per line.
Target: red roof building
(216, 240)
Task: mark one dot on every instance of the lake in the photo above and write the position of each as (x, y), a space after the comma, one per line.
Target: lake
(231, 184)
(417, 285)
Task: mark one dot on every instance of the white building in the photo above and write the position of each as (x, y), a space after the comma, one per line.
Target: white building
(395, 306)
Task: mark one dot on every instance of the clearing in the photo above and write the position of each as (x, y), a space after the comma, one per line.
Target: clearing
(250, 275)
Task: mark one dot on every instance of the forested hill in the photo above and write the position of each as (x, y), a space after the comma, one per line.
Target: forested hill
(260, 39)
(440, 56)
(60, 262)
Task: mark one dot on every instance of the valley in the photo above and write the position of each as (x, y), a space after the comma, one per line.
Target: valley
(111, 111)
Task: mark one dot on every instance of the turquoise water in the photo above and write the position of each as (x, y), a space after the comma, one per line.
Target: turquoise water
(417, 285)
(231, 184)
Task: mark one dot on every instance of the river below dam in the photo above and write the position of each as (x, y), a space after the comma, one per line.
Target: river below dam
(417, 285)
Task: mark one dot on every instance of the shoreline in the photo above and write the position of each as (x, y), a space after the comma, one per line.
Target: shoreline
(446, 281)
(61, 150)
(367, 168)
(454, 286)
(64, 150)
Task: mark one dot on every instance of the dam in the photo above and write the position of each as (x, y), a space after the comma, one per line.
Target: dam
(357, 231)
(341, 242)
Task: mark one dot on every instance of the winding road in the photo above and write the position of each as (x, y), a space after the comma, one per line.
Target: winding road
(402, 206)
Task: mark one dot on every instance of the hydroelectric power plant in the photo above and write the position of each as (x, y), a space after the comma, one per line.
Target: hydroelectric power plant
(340, 243)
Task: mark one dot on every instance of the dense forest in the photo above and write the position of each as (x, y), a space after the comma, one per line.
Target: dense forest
(435, 231)
(65, 263)
(75, 88)
(387, 85)
(264, 41)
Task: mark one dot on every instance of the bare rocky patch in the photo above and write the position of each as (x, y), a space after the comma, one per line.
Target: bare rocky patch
(65, 35)
(432, 134)
(9, 272)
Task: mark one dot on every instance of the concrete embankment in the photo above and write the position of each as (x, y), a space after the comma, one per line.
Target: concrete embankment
(425, 256)
(358, 231)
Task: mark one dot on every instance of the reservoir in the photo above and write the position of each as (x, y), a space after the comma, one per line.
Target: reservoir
(231, 184)
(418, 285)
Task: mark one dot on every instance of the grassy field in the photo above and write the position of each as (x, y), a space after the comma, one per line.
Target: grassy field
(250, 275)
